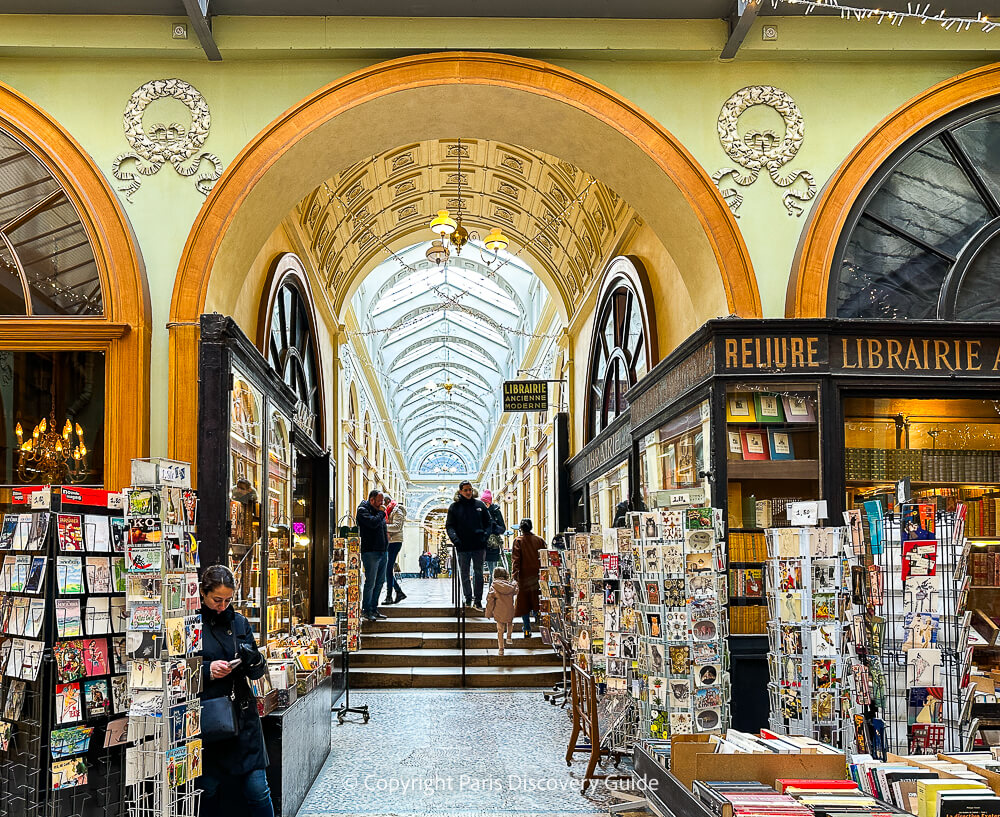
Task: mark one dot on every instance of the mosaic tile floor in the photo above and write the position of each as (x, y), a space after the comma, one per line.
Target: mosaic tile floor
(454, 753)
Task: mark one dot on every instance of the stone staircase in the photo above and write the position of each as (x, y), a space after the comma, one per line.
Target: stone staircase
(417, 646)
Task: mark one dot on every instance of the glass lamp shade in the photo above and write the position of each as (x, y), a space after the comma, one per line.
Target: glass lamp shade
(496, 240)
(443, 224)
(437, 253)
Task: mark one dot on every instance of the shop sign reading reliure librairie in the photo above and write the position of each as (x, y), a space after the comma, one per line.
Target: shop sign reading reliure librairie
(861, 354)
(525, 395)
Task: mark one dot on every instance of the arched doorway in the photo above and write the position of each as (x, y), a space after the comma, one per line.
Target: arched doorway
(559, 112)
(88, 234)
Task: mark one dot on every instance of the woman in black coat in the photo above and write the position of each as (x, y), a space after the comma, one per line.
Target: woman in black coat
(233, 769)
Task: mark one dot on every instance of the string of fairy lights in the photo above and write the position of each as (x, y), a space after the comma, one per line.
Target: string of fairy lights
(919, 11)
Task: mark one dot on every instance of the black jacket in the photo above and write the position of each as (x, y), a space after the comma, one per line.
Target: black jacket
(373, 528)
(493, 553)
(226, 636)
(469, 524)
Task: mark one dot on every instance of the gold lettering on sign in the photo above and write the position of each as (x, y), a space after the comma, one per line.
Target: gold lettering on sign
(973, 356)
(894, 347)
(732, 356)
(798, 359)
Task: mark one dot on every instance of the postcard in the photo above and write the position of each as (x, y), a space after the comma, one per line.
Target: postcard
(146, 616)
(36, 574)
(95, 656)
(98, 572)
(194, 759)
(144, 558)
(69, 706)
(38, 530)
(96, 698)
(116, 733)
(69, 528)
(119, 573)
(97, 615)
(67, 774)
(97, 533)
(120, 694)
(73, 740)
(118, 537)
(69, 574)
(7, 531)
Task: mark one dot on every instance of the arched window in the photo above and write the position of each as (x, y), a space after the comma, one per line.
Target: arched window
(623, 347)
(289, 341)
(923, 238)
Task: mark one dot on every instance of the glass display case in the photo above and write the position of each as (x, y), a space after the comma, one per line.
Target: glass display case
(606, 491)
(676, 456)
(245, 548)
(279, 527)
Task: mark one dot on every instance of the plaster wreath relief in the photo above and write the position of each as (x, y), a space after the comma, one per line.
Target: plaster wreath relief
(762, 149)
(159, 144)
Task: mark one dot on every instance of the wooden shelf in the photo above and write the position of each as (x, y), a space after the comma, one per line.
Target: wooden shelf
(927, 483)
(773, 469)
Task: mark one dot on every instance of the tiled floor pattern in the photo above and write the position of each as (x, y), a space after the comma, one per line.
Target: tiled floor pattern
(453, 753)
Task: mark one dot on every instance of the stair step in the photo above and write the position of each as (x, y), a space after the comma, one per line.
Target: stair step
(442, 641)
(436, 677)
(433, 624)
(409, 609)
(512, 656)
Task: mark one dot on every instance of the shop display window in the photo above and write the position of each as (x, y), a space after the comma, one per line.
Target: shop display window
(244, 500)
(675, 456)
(57, 388)
(302, 524)
(772, 458)
(279, 527)
(606, 491)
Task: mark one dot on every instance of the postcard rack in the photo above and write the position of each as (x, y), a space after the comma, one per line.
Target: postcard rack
(163, 642)
(909, 638)
(63, 698)
(807, 604)
(680, 591)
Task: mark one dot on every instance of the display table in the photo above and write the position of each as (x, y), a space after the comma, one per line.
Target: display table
(297, 741)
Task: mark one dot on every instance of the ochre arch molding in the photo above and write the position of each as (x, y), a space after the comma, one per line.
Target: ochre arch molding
(808, 283)
(124, 332)
(374, 109)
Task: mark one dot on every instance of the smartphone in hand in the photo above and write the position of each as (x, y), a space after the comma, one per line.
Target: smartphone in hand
(234, 663)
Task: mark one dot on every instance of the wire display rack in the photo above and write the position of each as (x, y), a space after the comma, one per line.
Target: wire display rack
(910, 653)
(808, 602)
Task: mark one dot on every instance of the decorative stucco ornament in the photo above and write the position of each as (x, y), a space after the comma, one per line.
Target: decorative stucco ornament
(159, 144)
(759, 150)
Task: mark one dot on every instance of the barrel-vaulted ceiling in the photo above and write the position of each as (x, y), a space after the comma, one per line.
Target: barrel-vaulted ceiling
(442, 340)
(466, 324)
(561, 221)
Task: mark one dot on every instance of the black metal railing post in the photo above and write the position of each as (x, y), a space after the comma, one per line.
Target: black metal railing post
(459, 602)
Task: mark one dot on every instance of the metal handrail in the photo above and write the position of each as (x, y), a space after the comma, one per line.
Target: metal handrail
(457, 599)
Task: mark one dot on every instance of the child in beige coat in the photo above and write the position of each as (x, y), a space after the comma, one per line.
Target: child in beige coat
(500, 605)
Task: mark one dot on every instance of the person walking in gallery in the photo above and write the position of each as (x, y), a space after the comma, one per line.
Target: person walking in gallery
(372, 525)
(494, 544)
(395, 515)
(468, 525)
(233, 761)
(500, 606)
(424, 562)
(435, 566)
(526, 564)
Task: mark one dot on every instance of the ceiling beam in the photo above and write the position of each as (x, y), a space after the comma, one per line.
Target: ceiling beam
(742, 18)
(201, 21)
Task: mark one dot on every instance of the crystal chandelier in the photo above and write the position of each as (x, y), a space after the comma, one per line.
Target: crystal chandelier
(49, 457)
(452, 232)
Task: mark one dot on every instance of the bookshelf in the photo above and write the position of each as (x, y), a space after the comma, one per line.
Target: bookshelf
(772, 457)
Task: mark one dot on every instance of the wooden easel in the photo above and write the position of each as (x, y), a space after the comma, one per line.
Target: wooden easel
(585, 721)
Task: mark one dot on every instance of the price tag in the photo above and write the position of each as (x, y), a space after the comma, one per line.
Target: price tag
(680, 499)
(116, 502)
(174, 474)
(803, 513)
(41, 500)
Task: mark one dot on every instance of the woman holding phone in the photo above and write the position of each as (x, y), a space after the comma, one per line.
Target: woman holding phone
(233, 779)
